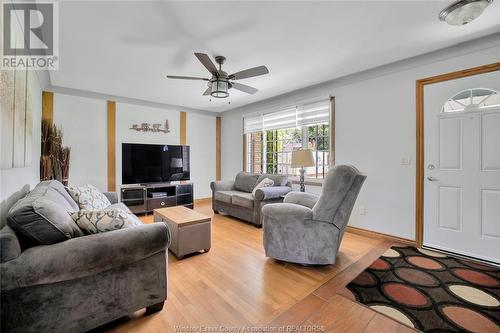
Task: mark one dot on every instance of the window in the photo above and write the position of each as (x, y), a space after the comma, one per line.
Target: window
(255, 149)
(271, 138)
(472, 100)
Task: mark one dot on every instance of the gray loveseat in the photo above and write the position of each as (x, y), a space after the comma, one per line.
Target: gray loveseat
(234, 197)
(58, 280)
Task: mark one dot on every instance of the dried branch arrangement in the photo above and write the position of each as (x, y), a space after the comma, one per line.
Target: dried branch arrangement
(54, 162)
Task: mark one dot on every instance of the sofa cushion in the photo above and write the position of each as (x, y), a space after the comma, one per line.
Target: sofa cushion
(93, 221)
(224, 196)
(243, 199)
(279, 180)
(43, 216)
(88, 197)
(121, 206)
(245, 181)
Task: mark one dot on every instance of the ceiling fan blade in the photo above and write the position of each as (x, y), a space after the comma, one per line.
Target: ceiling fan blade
(244, 88)
(205, 60)
(251, 72)
(186, 77)
(207, 92)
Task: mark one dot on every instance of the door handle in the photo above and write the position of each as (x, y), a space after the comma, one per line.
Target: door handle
(432, 179)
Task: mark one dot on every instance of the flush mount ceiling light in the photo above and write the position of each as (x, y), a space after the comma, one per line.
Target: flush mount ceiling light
(463, 11)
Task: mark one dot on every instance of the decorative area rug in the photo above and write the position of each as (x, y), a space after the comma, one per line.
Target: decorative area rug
(430, 291)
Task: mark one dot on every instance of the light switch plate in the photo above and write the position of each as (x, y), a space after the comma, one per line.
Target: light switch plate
(405, 160)
(362, 210)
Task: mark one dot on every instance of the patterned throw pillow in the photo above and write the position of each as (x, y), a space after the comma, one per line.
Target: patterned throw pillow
(88, 197)
(93, 221)
(266, 182)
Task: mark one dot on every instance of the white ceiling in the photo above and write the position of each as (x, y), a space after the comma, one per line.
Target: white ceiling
(126, 48)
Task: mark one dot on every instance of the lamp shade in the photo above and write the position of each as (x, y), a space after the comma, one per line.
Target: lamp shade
(302, 158)
(176, 163)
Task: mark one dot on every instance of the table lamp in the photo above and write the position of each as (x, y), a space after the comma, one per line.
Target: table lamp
(302, 159)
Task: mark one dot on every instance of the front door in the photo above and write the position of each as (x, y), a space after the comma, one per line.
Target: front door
(462, 166)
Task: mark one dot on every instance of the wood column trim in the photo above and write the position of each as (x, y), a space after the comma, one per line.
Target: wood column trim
(218, 170)
(48, 106)
(183, 128)
(244, 152)
(111, 119)
(420, 154)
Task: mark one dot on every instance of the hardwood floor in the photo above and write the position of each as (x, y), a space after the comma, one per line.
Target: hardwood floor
(236, 285)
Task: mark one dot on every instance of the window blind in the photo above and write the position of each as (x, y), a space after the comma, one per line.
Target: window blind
(281, 119)
(313, 113)
(252, 124)
(295, 116)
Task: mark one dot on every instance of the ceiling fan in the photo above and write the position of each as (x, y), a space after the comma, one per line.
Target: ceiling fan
(221, 82)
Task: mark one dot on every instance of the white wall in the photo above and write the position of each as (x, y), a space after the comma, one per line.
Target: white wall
(129, 114)
(200, 136)
(84, 124)
(15, 183)
(375, 126)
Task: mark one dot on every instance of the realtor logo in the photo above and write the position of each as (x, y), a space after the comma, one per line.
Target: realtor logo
(30, 35)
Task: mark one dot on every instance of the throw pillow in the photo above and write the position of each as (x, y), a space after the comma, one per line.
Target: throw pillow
(88, 197)
(245, 181)
(266, 182)
(42, 217)
(92, 221)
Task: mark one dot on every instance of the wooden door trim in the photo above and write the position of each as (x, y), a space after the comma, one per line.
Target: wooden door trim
(419, 174)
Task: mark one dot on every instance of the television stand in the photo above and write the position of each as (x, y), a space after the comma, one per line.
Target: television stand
(144, 198)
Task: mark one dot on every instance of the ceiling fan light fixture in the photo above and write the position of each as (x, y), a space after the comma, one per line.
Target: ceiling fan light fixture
(220, 82)
(219, 89)
(463, 11)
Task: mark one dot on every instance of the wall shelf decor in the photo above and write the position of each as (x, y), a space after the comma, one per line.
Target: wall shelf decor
(146, 127)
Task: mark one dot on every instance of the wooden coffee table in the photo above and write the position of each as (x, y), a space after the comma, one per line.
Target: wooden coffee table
(190, 231)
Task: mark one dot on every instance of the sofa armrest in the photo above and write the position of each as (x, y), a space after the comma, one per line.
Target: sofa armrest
(9, 245)
(112, 197)
(301, 198)
(222, 185)
(271, 192)
(84, 256)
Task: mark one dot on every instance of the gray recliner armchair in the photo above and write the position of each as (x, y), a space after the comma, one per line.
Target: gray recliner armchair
(308, 229)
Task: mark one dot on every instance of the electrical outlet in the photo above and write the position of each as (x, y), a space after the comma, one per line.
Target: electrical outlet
(405, 160)
(362, 210)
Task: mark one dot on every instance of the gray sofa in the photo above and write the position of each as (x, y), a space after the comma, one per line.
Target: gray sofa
(308, 229)
(234, 197)
(55, 279)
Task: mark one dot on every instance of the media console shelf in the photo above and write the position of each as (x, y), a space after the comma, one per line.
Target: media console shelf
(143, 198)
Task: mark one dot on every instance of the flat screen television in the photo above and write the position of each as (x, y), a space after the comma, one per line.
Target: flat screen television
(149, 163)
